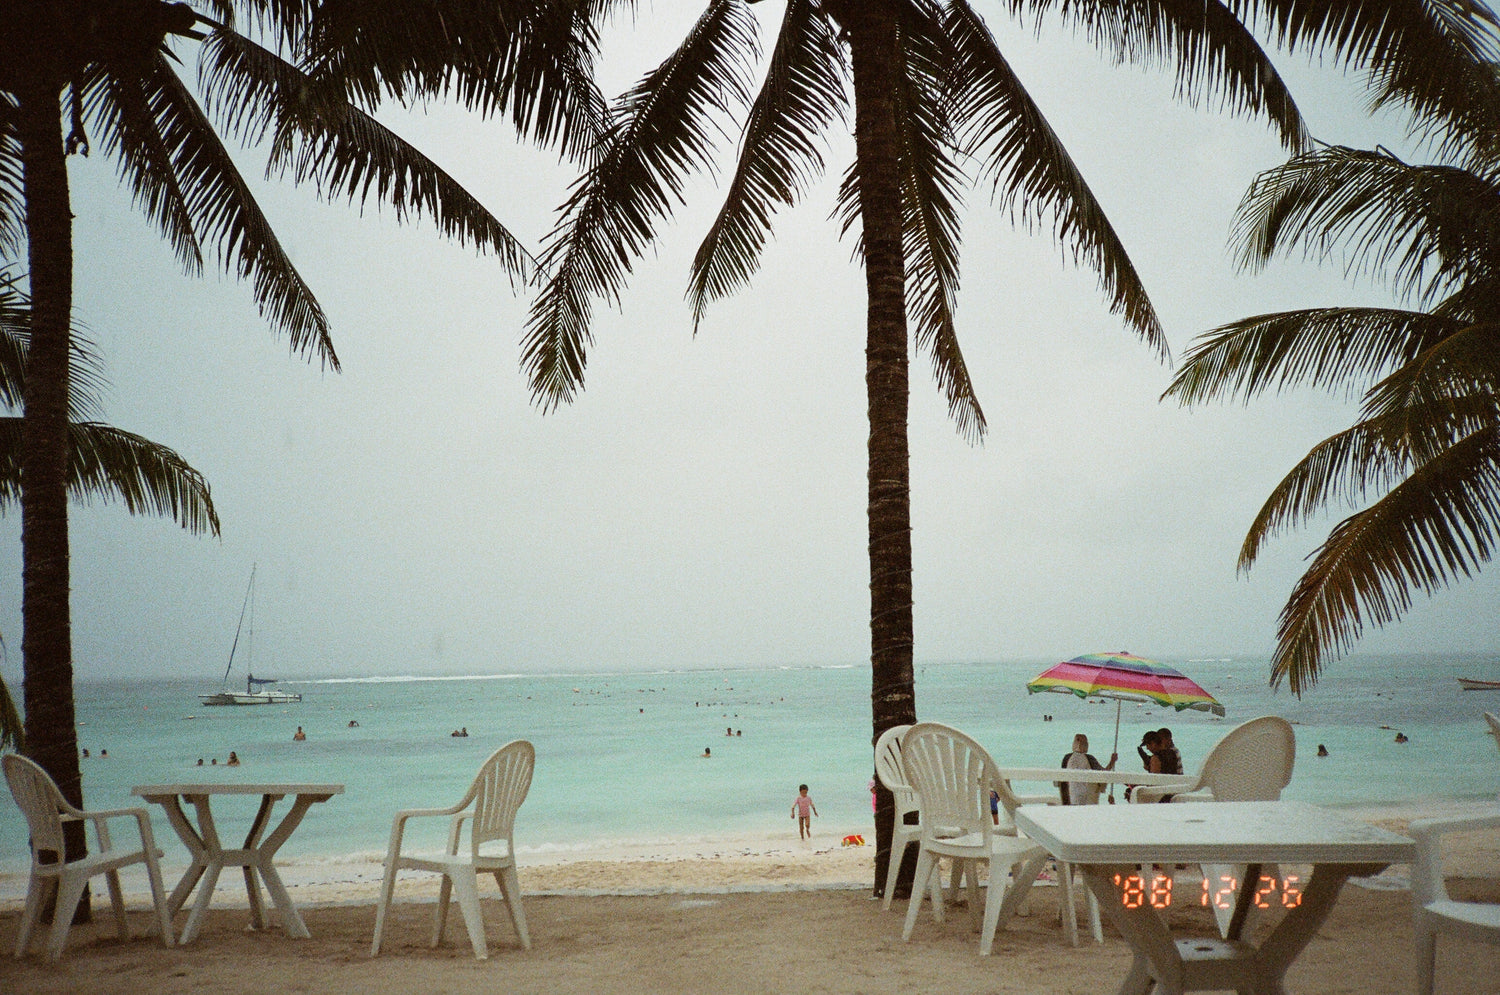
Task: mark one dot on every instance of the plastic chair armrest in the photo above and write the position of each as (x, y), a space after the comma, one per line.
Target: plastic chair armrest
(417, 813)
(1432, 828)
(1427, 882)
(101, 826)
(1039, 799)
(455, 829)
(398, 824)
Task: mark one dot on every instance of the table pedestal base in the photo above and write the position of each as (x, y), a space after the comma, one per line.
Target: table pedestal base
(1174, 967)
(256, 857)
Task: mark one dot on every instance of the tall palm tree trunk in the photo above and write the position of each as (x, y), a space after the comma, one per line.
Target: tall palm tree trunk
(46, 641)
(873, 44)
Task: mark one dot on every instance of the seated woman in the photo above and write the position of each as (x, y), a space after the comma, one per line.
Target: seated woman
(1082, 792)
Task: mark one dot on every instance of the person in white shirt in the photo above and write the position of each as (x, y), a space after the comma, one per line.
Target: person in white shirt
(1082, 792)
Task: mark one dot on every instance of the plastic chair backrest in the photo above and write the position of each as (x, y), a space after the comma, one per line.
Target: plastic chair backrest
(40, 801)
(499, 790)
(1252, 763)
(953, 775)
(892, 772)
(1494, 723)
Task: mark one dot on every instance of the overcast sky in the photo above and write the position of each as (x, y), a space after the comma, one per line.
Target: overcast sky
(702, 503)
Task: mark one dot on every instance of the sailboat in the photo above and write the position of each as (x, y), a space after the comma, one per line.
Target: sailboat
(258, 690)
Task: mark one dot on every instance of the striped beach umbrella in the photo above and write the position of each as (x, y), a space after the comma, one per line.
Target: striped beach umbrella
(1127, 677)
(1124, 677)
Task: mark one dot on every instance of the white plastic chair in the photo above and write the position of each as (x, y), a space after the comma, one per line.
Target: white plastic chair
(892, 774)
(1433, 910)
(1251, 763)
(490, 808)
(1079, 794)
(46, 810)
(953, 776)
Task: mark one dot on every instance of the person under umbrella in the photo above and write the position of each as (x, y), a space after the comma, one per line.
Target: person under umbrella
(1082, 792)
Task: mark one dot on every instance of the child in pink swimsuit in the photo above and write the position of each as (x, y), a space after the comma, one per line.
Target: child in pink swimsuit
(802, 805)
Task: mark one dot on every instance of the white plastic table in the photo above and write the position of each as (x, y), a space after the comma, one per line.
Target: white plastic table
(1111, 844)
(257, 856)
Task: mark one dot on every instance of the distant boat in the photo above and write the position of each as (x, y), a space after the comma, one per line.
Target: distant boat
(1470, 684)
(257, 691)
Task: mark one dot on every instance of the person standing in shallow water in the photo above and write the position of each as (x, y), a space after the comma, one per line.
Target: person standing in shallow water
(803, 810)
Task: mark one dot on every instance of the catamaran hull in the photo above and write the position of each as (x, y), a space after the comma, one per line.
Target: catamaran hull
(1470, 684)
(250, 698)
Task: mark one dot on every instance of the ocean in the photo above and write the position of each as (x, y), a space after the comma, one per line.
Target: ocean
(619, 756)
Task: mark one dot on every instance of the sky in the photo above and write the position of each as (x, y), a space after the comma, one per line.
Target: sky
(702, 502)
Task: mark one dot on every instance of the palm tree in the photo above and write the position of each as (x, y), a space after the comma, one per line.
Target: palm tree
(935, 102)
(1421, 464)
(104, 461)
(109, 67)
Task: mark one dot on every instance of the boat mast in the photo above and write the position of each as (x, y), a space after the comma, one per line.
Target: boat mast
(249, 592)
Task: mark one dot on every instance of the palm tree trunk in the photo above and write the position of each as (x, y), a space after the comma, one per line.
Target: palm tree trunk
(46, 641)
(874, 42)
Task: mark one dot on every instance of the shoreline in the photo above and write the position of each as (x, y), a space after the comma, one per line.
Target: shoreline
(731, 863)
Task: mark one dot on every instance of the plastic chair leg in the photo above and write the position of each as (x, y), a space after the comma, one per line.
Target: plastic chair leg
(37, 892)
(993, 899)
(898, 853)
(510, 890)
(1426, 958)
(117, 903)
(466, 889)
(926, 867)
(440, 920)
(1068, 908)
(387, 890)
(69, 892)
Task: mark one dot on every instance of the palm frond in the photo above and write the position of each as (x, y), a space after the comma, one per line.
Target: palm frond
(1032, 174)
(122, 121)
(12, 729)
(12, 199)
(86, 380)
(1450, 391)
(1426, 55)
(1215, 58)
(285, 22)
(931, 199)
(1426, 229)
(1438, 525)
(109, 464)
(661, 133)
(1466, 129)
(340, 149)
(209, 198)
(802, 95)
(1338, 469)
(15, 333)
(532, 58)
(1316, 347)
(224, 212)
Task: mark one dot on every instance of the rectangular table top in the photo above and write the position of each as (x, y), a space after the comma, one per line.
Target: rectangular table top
(234, 788)
(1210, 832)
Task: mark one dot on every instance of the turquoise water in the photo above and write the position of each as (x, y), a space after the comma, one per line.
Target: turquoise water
(619, 755)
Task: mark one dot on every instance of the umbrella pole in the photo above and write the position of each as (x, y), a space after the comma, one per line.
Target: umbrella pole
(1116, 751)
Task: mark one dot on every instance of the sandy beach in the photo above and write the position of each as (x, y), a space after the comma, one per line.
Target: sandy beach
(732, 915)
